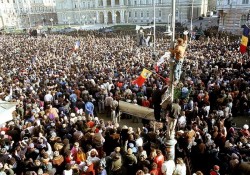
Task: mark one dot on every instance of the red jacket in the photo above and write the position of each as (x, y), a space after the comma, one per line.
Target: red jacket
(90, 170)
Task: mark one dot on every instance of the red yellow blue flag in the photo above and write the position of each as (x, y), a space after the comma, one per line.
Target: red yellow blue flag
(244, 39)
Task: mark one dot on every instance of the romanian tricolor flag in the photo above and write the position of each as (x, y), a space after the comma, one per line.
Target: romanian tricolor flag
(244, 40)
(141, 79)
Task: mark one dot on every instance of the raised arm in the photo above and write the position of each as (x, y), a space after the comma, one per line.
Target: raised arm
(185, 38)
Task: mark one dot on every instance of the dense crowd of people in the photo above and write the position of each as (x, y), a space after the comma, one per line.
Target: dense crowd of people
(61, 90)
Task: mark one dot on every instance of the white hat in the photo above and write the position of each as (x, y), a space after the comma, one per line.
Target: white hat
(40, 171)
(72, 115)
(53, 134)
(31, 145)
(245, 126)
(11, 123)
(124, 127)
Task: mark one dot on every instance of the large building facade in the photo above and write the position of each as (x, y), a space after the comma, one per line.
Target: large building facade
(27, 13)
(232, 15)
(31, 13)
(127, 11)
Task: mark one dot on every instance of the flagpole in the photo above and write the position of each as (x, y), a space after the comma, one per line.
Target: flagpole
(170, 142)
(154, 26)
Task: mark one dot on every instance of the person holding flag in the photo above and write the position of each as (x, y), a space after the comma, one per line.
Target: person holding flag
(244, 39)
(179, 52)
(141, 79)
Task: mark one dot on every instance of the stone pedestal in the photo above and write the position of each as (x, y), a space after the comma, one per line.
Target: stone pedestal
(170, 148)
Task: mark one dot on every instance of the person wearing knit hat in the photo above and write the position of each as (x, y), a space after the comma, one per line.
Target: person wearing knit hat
(245, 132)
(215, 170)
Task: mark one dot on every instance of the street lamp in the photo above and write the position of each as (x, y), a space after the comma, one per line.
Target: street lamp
(94, 19)
(168, 32)
(181, 18)
(106, 20)
(43, 20)
(154, 25)
(51, 20)
(191, 21)
(69, 21)
(235, 27)
(64, 22)
(115, 18)
(83, 17)
(170, 142)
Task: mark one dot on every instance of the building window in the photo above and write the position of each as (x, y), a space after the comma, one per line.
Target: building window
(228, 2)
(129, 14)
(159, 1)
(245, 1)
(147, 13)
(243, 19)
(135, 14)
(147, 1)
(141, 14)
(135, 2)
(159, 13)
